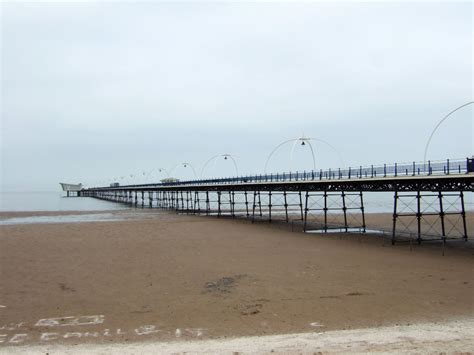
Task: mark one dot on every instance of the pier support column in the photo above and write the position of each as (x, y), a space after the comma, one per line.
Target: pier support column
(306, 211)
(159, 199)
(246, 204)
(418, 216)
(237, 202)
(189, 202)
(394, 216)
(463, 215)
(325, 209)
(182, 200)
(197, 203)
(232, 203)
(335, 210)
(270, 206)
(301, 205)
(428, 216)
(208, 204)
(362, 210)
(256, 201)
(344, 209)
(167, 199)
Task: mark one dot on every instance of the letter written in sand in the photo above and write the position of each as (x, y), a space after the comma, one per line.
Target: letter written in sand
(49, 336)
(146, 329)
(190, 332)
(91, 334)
(18, 338)
(12, 326)
(70, 321)
(194, 332)
(72, 335)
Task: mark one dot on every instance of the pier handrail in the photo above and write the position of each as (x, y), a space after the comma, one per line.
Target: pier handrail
(440, 167)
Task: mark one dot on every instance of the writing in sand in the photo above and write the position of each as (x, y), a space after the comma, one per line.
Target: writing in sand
(16, 333)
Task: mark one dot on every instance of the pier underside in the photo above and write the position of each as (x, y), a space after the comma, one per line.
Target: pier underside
(424, 209)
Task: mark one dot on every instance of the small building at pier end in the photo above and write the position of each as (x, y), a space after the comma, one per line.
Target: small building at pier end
(72, 189)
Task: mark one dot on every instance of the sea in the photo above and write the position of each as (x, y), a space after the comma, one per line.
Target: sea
(52, 201)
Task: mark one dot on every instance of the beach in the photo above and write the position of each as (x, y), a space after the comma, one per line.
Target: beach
(161, 277)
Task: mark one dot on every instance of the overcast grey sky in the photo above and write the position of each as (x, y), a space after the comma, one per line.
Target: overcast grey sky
(92, 91)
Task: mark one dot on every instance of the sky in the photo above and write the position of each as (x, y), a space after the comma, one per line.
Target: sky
(96, 92)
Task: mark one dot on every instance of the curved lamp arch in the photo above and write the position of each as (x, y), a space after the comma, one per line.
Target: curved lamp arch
(147, 174)
(156, 169)
(274, 150)
(225, 156)
(438, 125)
(185, 164)
(304, 141)
(165, 171)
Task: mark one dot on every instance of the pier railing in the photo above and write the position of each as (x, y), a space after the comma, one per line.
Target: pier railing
(441, 167)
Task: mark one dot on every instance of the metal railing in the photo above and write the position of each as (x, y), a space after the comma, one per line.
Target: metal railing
(442, 167)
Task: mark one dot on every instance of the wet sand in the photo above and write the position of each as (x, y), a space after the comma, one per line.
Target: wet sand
(175, 277)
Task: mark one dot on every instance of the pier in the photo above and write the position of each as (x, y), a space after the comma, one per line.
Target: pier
(428, 198)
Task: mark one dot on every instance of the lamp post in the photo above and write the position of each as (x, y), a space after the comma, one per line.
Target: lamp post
(303, 141)
(226, 156)
(436, 128)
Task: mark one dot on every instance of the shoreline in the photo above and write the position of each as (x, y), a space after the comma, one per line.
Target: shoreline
(14, 214)
(378, 224)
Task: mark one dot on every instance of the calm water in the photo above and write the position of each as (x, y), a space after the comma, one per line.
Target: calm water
(70, 218)
(56, 201)
(52, 201)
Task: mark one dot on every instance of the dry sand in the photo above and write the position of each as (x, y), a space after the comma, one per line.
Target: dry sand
(451, 337)
(172, 277)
